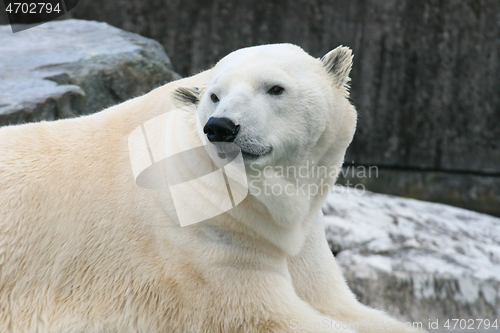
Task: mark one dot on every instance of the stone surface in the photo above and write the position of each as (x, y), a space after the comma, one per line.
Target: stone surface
(418, 260)
(471, 191)
(425, 76)
(67, 68)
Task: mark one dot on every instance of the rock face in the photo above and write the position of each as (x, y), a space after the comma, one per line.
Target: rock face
(67, 68)
(425, 77)
(417, 260)
(471, 191)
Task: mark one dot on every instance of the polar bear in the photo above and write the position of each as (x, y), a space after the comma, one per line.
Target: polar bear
(84, 249)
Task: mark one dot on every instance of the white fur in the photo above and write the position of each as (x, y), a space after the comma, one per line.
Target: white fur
(83, 249)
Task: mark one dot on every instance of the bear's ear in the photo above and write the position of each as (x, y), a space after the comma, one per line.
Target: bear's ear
(185, 96)
(338, 64)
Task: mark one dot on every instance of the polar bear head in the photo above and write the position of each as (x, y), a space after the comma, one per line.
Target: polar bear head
(283, 108)
(275, 102)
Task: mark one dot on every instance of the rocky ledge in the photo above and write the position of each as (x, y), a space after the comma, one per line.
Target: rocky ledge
(418, 260)
(67, 68)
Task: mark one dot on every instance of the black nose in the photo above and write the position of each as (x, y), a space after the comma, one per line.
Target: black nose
(221, 130)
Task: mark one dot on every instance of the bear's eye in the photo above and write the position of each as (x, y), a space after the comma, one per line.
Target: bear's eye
(276, 90)
(214, 98)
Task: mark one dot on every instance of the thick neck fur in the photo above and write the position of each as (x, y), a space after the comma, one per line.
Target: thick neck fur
(282, 200)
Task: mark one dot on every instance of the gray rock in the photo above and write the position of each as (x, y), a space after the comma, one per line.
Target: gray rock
(418, 260)
(471, 191)
(67, 68)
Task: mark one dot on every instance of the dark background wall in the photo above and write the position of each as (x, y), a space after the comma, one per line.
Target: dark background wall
(426, 76)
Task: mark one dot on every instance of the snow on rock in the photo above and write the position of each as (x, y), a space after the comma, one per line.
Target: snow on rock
(418, 260)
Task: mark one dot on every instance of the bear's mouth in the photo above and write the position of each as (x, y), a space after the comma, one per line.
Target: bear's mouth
(247, 155)
(251, 155)
(252, 148)
(249, 150)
